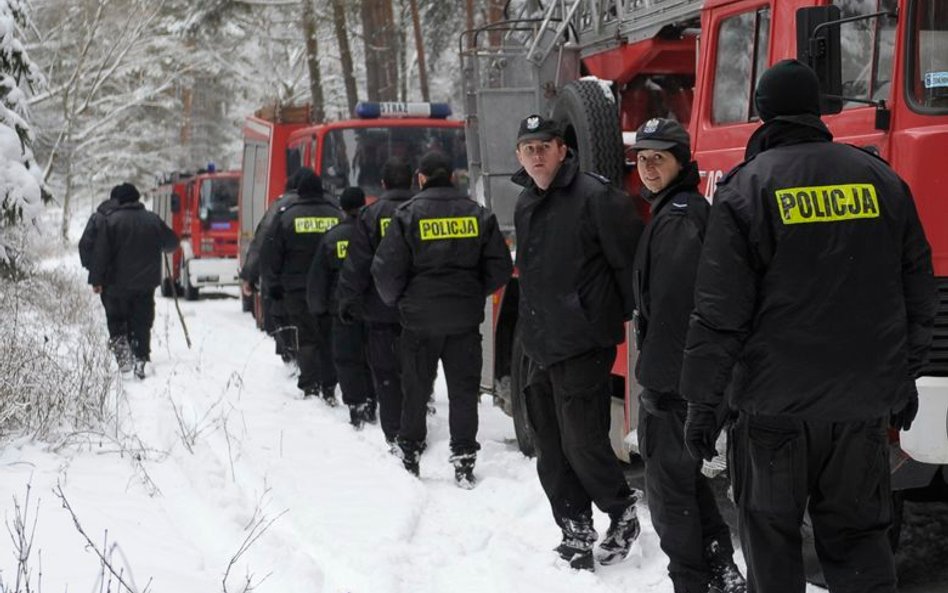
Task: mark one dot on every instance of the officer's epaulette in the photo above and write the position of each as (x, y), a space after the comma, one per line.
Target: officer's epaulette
(870, 150)
(600, 178)
(403, 205)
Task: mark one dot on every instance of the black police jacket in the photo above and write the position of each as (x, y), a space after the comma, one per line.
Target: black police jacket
(665, 265)
(815, 283)
(128, 247)
(296, 234)
(87, 241)
(575, 250)
(356, 285)
(250, 271)
(442, 255)
(324, 271)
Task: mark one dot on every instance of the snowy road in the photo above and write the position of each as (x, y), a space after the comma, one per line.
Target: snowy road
(225, 446)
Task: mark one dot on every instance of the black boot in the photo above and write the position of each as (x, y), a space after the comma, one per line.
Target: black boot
(726, 577)
(623, 530)
(122, 351)
(357, 416)
(329, 395)
(371, 411)
(410, 454)
(464, 470)
(578, 540)
(310, 392)
(139, 368)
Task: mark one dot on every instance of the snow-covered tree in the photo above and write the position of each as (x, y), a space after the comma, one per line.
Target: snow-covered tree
(21, 189)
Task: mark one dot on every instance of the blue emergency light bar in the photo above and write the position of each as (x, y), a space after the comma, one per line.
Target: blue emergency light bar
(373, 110)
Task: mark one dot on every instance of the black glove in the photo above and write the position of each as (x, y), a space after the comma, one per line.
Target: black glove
(275, 292)
(902, 420)
(701, 431)
(347, 313)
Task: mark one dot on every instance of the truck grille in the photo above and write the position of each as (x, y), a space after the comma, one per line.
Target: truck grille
(938, 356)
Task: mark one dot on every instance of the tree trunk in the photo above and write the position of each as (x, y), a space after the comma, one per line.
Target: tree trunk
(469, 15)
(312, 60)
(67, 190)
(345, 53)
(381, 55)
(495, 13)
(420, 49)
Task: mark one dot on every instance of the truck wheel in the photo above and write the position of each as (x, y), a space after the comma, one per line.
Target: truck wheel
(190, 292)
(518, 404)
(590, 123)
(167, 287)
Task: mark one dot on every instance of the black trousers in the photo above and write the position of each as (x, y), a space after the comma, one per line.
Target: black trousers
(315, 343)
(131, 314)
(680, 499)
(276, 324)
(349, 341)
(568, 406)
(783, 466)
(461, 356)
(383, 355)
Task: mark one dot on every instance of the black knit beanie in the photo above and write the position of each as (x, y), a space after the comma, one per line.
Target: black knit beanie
(126, 193)
(352, 198)
(789, 87)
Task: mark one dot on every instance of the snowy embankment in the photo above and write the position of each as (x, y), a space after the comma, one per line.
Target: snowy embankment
(214, 459)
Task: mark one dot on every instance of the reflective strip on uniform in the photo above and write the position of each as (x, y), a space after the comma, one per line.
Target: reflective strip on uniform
(383, 225)
(460, 227)
(827, 203)
(342, 247)
(314, 224)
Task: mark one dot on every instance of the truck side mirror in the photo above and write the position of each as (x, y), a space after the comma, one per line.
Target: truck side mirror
(203, 213)
(818, 45)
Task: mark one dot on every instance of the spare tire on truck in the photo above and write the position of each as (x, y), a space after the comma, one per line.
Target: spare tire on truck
(589, 118)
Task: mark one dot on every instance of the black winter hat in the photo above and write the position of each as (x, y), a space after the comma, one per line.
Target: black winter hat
(308, 182)
(352, 198)
(126, 193)
(435, 164)
(789, 87)
(537, 127)
(664, 134)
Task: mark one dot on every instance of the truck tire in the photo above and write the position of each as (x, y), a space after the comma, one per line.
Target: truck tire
(191, 293)
(590, 123)
(518, 404)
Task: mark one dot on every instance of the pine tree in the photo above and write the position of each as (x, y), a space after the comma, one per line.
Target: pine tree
(22, 194)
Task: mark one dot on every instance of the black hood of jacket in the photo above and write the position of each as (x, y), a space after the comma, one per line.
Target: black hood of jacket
(786, 130)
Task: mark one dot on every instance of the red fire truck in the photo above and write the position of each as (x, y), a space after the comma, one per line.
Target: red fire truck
(344, 153)
(202, 209)
(602, 67)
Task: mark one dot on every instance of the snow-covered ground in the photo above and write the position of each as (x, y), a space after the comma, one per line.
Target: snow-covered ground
(227, 455)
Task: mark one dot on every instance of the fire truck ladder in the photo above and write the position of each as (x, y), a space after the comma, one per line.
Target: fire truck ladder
(598, 24)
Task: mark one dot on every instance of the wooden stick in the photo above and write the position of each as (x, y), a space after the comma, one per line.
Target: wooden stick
(177, 306)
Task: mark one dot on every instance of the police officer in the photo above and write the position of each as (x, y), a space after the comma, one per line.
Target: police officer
(125, 269)
(691, 531)
(348, 338)
(274, 317)
(576, 238)
(288, 251)
(359, 298)
(442, 256)
(815, 288)
(118, 343)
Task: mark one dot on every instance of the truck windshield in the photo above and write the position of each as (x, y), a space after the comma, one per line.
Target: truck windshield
(219, 197)
(354, 156)
(928, 86)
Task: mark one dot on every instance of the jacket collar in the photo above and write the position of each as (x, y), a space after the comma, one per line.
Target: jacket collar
(397, 194)
(786, 130)
(136, 205)
(441, 193)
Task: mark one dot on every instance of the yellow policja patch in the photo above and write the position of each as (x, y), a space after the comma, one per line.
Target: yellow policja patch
(342, 248)
(314, 224)
(460, 227)
(827, 203)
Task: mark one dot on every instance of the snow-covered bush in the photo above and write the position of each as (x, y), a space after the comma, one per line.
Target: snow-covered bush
(55, 375)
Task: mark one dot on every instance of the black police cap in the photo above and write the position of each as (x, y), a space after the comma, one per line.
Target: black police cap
(537, 127)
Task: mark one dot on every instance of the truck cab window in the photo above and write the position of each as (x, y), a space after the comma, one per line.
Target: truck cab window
(928, 81)
(743, 46)
(868, 47)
